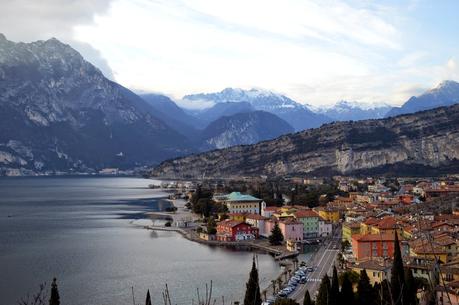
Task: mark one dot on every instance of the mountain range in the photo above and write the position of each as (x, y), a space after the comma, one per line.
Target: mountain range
(59, 113)
(353, 111)
(244, 128)
(299, 116)
(422, 143)
(445, 94)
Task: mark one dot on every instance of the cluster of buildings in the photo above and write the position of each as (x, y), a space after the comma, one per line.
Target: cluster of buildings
(428, 239)
(250, 218)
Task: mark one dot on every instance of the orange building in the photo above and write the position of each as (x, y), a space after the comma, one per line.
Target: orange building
(373, 245)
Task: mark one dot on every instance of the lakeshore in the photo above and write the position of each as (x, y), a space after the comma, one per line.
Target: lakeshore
(87, 231)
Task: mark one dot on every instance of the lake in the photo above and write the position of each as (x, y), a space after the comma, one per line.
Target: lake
(87, 232)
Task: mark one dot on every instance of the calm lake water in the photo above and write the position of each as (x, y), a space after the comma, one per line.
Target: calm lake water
(87, 233)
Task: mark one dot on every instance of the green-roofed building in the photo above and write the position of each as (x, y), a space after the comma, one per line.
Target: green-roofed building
(240, 203)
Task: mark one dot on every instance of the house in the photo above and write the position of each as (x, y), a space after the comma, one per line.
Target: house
(328, 214)
(310, 220)
(232, 230)
(257, 221)
(377, 269)
(240, 203)
(449, 294)
(350, 229)
(267, 211)
(325, 228)
(373, 245)
(291, 229)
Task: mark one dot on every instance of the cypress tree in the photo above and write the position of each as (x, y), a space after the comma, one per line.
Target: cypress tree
(334, 290)
(382, 292)
(324, 291)
(148, 300)
(252, 292)
(307, 299)
(409, 294)
(54, 298)
(397, 280)
(276, 237)
(365, 292)
(347, 293)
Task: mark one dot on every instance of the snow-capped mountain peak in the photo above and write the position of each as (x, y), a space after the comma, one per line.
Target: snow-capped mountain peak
(298, 115)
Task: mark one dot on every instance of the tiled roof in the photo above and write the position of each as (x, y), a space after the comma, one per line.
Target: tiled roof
(375, 237)
(230, 223)
(255, 216)
(305, 213)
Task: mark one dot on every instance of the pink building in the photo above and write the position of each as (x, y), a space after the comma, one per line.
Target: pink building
(291, 229)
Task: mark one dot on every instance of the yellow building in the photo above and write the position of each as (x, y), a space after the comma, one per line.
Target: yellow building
(237, 216)
(240, 203)
(350, 229)
(327, 214)
(377, 270)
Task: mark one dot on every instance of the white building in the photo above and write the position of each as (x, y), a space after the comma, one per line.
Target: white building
(325, 228)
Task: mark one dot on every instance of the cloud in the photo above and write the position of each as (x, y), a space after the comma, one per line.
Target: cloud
(31, 20)
(194, 46)
(315, 52)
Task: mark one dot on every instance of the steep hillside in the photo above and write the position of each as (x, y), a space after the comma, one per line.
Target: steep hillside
(172, 115)
(243, 128)
(59, 113)
(419, 143)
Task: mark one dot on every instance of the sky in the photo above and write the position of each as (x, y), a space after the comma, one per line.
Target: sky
(316, 52)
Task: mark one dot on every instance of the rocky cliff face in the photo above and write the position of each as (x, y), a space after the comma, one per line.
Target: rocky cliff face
(59, 113)
(243, 128)
(424, 141)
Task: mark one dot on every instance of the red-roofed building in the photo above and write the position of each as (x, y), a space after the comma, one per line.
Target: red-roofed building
(373, 245)
(232, 230)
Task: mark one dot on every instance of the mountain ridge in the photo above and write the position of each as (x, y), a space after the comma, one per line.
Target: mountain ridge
(59, 113)
(427, 139)
(244, 128)
(445, 94)
(299, 116)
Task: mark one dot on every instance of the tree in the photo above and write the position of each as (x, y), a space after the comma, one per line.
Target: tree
(347, 293)
(276, 237)
(410, 292)
(365, 292)
(252, 292)
(307, 299)
(353, 276)
(211, 226)
(148, 300)
(284, 301)
(334, 289)
(324, 291)
(382, 291)
(54, 298)
(397, 279)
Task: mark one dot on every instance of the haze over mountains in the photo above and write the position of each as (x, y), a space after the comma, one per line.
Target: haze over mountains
(59, 113)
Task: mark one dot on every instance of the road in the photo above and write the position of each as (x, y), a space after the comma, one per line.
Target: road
(323, 262)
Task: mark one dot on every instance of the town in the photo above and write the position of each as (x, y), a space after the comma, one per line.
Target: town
(353, 223)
